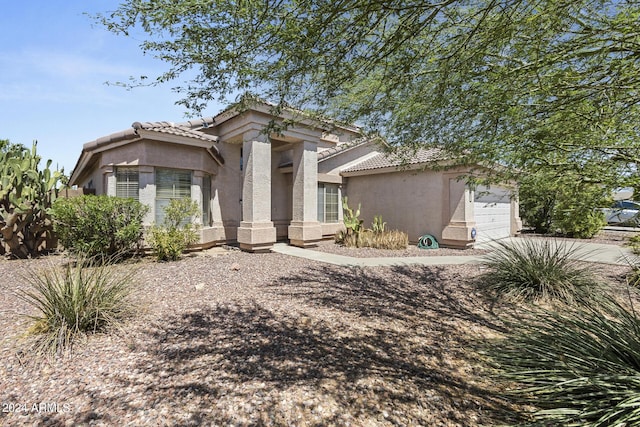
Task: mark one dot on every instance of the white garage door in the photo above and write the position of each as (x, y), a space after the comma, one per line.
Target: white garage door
(493, 214)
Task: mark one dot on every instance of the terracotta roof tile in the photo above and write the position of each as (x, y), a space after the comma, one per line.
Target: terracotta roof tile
(385, 160)
(329, 152)
(173, 129)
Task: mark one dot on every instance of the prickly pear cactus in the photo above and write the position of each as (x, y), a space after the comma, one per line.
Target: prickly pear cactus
(26, 196)
(350, 219)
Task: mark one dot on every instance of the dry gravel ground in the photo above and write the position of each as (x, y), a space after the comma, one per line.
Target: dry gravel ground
(411, 251)
(229, 338)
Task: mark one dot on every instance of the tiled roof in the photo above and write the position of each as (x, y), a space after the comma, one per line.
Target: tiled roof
(385, 160)
(329, 152)
(174, 129)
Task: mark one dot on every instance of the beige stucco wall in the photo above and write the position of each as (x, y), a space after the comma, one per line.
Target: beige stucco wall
(226, 192)
(408, 201)
(161, 154)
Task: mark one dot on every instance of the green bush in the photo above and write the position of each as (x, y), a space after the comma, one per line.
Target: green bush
(87, 296)
(170, 239)
(537, 270)
(578, 368)
(99, 225)
(562, 204)
(577, 214)
(537, 198)
(634, 243)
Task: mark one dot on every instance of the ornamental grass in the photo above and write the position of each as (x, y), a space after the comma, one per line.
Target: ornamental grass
(577, 367)
(533, 270)
(83, 296)
(392, 239)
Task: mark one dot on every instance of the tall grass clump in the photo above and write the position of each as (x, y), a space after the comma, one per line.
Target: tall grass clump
(392, 239)
(576, 367)
(85, 296)
(537, 270)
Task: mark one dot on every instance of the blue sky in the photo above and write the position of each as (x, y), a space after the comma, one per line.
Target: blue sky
(54, 62)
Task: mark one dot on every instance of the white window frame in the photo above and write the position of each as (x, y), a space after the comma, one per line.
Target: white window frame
(127, 182)
(328, 203)
(180, 188)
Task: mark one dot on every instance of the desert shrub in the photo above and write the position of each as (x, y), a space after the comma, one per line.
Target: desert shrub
(634, 243)
(537, 270)
(86, 296)
(170, 239)
(577, 367)
(553, 203)
(392, 239)
(99, 225)
(578, 216)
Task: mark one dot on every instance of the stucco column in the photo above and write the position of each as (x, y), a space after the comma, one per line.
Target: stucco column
(108, 171)
(256, 232)
(147, 191)
(516, 221)
(458, 211)
(196, 191)
(305, 230)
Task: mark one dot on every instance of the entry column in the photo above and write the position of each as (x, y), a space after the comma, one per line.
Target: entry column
(305, 230)
(256, 232)
(458, 213)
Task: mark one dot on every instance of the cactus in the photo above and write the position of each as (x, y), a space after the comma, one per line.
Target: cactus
(378, 226)
(350, 219)
(26, 196)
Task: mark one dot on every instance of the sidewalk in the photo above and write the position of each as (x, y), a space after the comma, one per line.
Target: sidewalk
(591, 252)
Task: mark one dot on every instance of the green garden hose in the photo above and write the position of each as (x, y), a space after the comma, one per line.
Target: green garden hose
(428, 242)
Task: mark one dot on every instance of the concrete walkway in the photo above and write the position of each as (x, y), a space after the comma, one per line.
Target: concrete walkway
(591, 252)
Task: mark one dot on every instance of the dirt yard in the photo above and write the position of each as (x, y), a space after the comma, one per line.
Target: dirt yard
(230, 338)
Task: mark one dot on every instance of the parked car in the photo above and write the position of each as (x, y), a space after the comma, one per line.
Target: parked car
(622, 212)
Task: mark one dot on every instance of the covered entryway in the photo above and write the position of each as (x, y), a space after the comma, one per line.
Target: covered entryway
(492, 209)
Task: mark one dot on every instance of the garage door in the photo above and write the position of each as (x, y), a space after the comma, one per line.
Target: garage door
(493, 214)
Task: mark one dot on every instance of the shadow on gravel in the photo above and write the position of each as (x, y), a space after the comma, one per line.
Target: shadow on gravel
(244, 364)
(402, 293)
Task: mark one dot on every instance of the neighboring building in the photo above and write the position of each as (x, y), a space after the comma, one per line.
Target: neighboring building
(256, 189)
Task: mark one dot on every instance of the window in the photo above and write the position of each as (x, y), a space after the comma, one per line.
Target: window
(127, 183)
(170, 184)
(206, 200)
(328, 202)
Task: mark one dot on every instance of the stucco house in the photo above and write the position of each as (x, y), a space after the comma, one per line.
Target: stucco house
(256, 189)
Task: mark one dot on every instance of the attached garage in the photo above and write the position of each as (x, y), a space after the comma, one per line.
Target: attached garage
(421, 200)
(493, 209)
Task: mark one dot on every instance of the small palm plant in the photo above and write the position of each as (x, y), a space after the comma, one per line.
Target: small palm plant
(577, 367)
(86, 296)
(537, 270)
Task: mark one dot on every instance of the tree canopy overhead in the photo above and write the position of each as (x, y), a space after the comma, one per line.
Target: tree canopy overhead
(526, 84)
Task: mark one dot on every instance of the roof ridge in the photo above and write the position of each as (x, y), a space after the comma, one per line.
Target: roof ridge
(329, 152)
(396, 159)
(152, 125)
